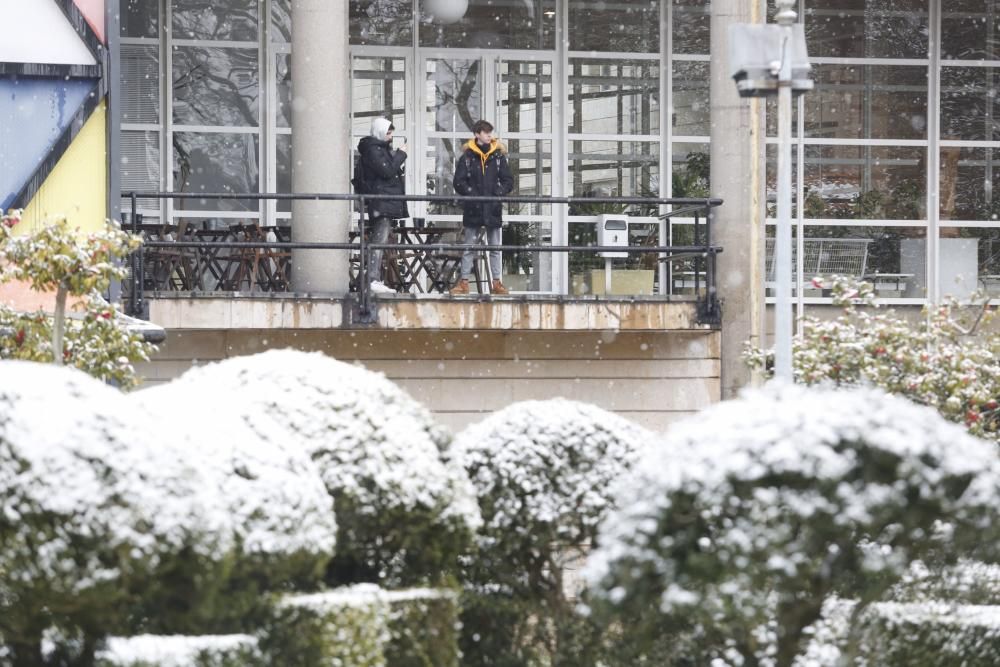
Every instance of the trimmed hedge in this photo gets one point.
(364, 626)
(181, 651)
(893, 634)
(968, 582)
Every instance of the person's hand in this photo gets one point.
(403, 147)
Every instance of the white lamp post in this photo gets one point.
(769, 59)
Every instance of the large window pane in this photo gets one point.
(691, 107)
(382, 22)
(215, 86)
(970, 30)
(969, 106)
(283, 169)
(613, 168)
(865, 183)
(440, 158)
(525, 96)
(216, 162)
(636, 274)
(531, 166)
(614, 26)
(140, 84)
(970, 184)
(867, 28)
(614, 96)
(970, 260)
(281, 21)
(692, 19)
(495, 25)
(453, 95)
(283, 88)
(232, 20)
(867, 102)
(139, 18)
(527, 271)
(379, 90)
(691, 171)
(893, 259)
(140, 166)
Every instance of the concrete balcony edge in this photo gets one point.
(174, 311)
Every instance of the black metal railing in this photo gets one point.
(702, 253)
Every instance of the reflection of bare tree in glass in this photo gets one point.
(210, 19)
(215, 86)
(382, 22)
(456, 89)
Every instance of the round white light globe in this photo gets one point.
(445, 11)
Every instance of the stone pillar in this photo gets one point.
(736, 174)
(321, 151)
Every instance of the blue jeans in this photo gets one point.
(493, 237)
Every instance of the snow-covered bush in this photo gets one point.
(542, 471)
(755, 511)
(87, 514)
(966, 582)
(404, 513)
(364, 626)
(181, 651)
(949, 359)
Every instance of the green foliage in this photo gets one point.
(949, 359)
(691, 180)
(363, 626)
(57, 259)
(927, 635)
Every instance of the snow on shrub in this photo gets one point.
(404, 512)
(542, 471)
(86, 510)
(758, 509)
(180, 651)
(967, 582)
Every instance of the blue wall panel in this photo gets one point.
(33, 113)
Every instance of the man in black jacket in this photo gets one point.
(383, 175)
(482, 170)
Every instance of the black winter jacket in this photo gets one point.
(482, 173)
(384, 174)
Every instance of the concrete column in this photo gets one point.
(321, 152)
(736, 175)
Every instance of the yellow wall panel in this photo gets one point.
(77, 187)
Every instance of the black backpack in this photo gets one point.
(359, 180)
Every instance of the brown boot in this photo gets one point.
(461, 287)
(498, 288)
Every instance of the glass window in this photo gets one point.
(140, 84)
(970, 184)
(139, 18)
(531, 166)
(867, 101)
(691, 170)
(215, 86)
(970, 30)
(691, 106)
(525, 96)
(692, 19)
(281, 21)
(970, 260)
(867, 28)
(624, 27)
(215, 162)
(382, 22)
(613, 168)
(527, 271)
(864, 182)
(283, 88)
(379, 90)
(969, 107)
(232, 20)
(283, 169)
(614, 96)
(140, 165)
(453, 95)
(440, 158)
(495, 25)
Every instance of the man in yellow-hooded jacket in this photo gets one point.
(482, 170)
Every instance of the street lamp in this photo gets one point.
(767, 60)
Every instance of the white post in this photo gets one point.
(783, 243)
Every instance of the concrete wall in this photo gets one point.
(652, 378)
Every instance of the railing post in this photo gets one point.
(364, 286)
(136, 305)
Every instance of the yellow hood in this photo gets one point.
(495, 147)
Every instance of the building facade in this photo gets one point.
(893, 158)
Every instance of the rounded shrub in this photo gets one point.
(758, 509)
(88, 514)
(542, 471)
(404, 512)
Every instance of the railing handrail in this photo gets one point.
(708, 308)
